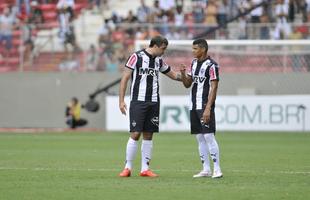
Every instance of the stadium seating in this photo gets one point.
(50, 17)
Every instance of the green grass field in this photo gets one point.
(84, 166)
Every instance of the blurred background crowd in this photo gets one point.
(49, 35)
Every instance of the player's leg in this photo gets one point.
(204, 156)
(81, 122)
(150, 126)
(215, 154)
(146, 155)
(196, 129)
(136, 117)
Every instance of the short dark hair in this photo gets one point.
(158, 41)
(202, 43)
(75, 100)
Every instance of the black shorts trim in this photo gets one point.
(144, 116)
(196, 125)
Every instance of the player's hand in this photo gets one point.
(206, 116)
(123, 107)
(183, 69)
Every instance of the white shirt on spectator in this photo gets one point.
(179, 19)
(62, 3)
(6, 24)
(282, 24)
(281, 9)
(257, 11)
(166, 4)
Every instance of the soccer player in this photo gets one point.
(143, 68)
(203, 78)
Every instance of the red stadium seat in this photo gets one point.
(48, 7)
(16, 42)
(50, 16)
(16, 34)
(13, 62)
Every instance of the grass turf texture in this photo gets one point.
(83, 166)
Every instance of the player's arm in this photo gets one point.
(122, 89)
(211, 99)
(186, 80)
(174, 75)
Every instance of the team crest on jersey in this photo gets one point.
(155, 121)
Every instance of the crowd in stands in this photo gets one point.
(277, 19)
(21, 20)
(274, 20)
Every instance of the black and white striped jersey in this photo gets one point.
(202, 72)
(144, 80)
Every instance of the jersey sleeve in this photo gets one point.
(132, 61)
(214, 72)
(164, 68)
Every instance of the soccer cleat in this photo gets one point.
(148, 173)
(203, 174)
(217, 174)
(125, 173)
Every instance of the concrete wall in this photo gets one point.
(252, 84)
(39, 99)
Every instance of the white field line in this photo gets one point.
(163, 170)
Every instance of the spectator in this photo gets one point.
(166, 5)
(292, 10)
(179, 18)
(36, 14)
(143, 12)
(264, 29)
(66, 29)
(27, 38)
(257, 12)
(198, 11)
(302, 6)
(155, 13)
(295, 56)
(65, 3)
(223, 10)
(19, 6)
(211, 13)
(131, 18)
(7, 24)
(112, 63)
(92, 58)
(282, 29)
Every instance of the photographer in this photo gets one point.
(73, 114)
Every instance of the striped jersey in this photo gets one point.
(144, 80)
(202, 72)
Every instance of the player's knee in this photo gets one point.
(135, 136)
(147, 136)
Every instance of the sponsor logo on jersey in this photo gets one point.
(148, 71)
(199, 79)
